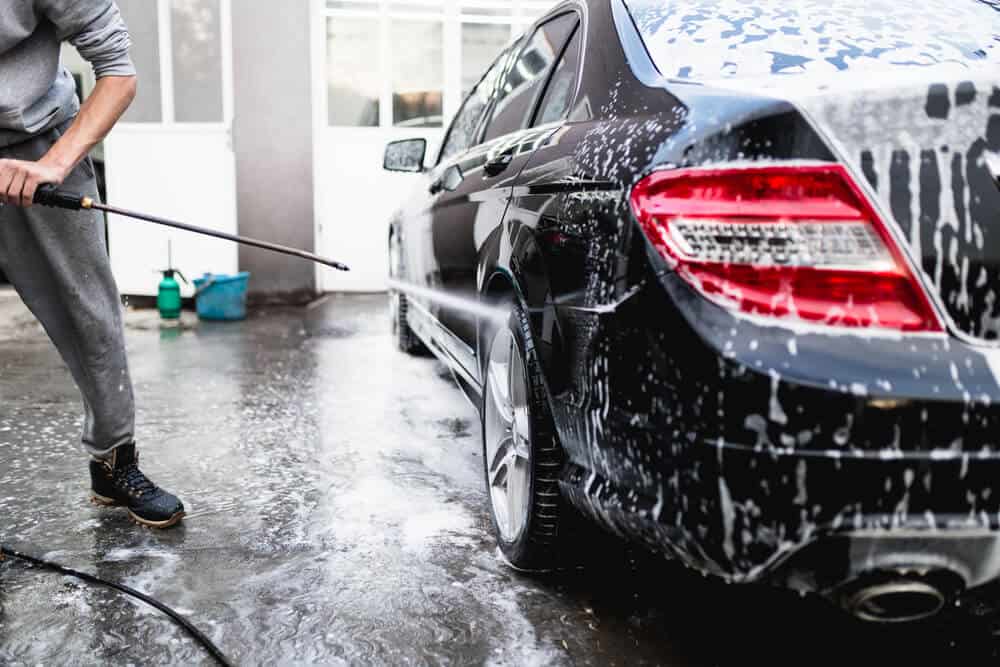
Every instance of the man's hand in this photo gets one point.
(101, 110)
(19, 179)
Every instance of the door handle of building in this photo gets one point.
(497, 164)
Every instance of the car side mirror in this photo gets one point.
(406, 155)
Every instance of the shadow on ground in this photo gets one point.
(653, 612)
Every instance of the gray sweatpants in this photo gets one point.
(58, 263)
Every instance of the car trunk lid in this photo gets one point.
(930, 151)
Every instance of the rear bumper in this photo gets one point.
(809, 522)
(760, 453)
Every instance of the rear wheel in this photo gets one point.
(522, 454)
(399, 307)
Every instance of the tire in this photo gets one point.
(522, 456)
(406, 339)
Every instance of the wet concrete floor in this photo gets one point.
(337, 516)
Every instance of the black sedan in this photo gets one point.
(746, 261)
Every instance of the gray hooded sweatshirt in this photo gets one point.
(36, 92)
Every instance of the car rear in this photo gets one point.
(822, 403)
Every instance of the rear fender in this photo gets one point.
(511, 268)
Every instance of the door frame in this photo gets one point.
(167, 124)
(165, 29)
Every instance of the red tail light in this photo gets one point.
(800, 242)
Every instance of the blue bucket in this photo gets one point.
(221, 297)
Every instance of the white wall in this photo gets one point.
(170, 183)
(172, 153)
(358, 197)
(273, 140)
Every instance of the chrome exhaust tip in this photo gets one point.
(896, 601)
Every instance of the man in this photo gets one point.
(58, 261)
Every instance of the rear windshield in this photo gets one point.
(706, 39)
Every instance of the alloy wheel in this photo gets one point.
(508, 436)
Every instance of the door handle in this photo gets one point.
(498, 163)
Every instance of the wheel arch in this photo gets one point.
(512, 269)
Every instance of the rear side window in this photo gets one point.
(525, 78)
(562, 87)
(462, 135)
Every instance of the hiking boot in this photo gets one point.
(118, 482)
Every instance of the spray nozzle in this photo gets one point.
(170, 273)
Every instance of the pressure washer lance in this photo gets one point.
(49, 195)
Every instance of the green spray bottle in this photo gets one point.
(168, 298)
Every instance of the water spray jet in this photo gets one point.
(494, 314)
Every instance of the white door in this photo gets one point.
(387, 70)
(172, 154)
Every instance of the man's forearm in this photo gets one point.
(99, 113)
(105, 105)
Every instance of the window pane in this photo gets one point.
(417, 7)
(143, 25)
(196, 37)
(352, 71)
(480, 45)
(559, 94)
(518, 91)
(463, 131)
(363, 5)
(417, 73)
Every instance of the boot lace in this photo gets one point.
(135, 481)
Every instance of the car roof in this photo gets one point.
(720, 39)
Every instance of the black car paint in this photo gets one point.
(461, 200)
(734, 445)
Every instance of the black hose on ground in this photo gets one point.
(186, 625)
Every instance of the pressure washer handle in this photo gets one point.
(50, 195)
